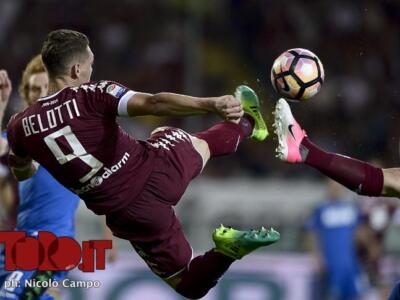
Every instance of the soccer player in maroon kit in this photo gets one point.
(73, 133)
(359, 176)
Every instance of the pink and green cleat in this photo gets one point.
(236, 243)
(289, 132)
(251, 105)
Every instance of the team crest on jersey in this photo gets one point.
(115, 90)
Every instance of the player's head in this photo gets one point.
(34, 82)
(66, 55)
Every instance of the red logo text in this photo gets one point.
(46, 252)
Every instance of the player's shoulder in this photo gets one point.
(102, 86)
(93, 86)
(15, 117)
(14, 126)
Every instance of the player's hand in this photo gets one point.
(5, 90)
(228, 107)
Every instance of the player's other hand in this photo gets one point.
(5, 90)
(229, 108)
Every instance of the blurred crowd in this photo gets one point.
(208, 48)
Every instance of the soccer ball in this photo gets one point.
(297, 74)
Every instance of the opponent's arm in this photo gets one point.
(169, 104)
(22, 167)
(5, 92)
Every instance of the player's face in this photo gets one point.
(38, 86)
(86, 67)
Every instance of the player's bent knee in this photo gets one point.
(202, 148)
(391, 182)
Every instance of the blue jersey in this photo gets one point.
(45, 205)
(334, 223)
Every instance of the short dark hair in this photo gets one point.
(60, 48)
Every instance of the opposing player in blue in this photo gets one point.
(45, 205)
(332, 229)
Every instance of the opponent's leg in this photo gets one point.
(204, 271)
(295, 147)
(224, 137)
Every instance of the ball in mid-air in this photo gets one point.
(297, 74)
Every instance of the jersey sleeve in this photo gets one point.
(111, 98)
(13, 140)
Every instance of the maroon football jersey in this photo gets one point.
(74, 135)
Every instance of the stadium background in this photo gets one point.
(207, 48)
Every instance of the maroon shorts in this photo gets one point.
(149, 222)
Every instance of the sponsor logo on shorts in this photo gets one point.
(115, 90)
(107, 172)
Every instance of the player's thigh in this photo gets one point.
(199, 145)
(165, 250)
(202, 148)
(179, 158)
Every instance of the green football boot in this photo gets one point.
(251, 106)
(236, 244)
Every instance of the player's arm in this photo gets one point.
(22, 167)
(169, 104)
(5, 92)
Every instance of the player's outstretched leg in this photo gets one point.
(224, 137)
(295, 147)
(204, 271)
